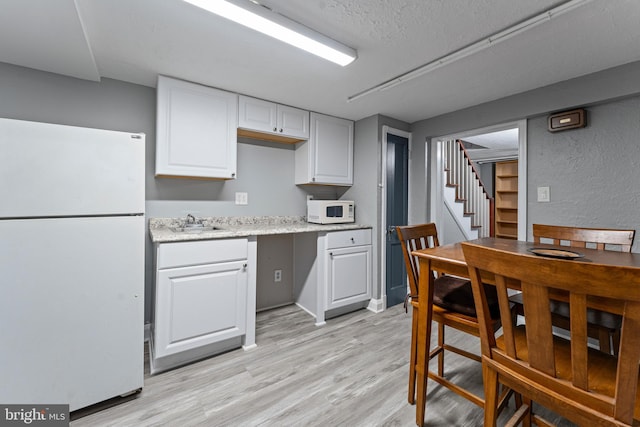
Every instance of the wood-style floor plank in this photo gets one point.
(351, 372)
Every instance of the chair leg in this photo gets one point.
(615, 338)
(441, 346)
(491, 396)
(413, 358)
(604, 338)
(528, 420)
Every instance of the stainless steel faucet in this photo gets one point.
(191, 219)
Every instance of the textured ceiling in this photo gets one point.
(135, 40)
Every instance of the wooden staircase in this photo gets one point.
(470, 192)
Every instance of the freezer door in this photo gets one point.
(72, 309)
(55, 170)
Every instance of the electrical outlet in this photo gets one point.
(277, 275)
(242, 198)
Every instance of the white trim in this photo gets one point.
(249, 338)
(383, 205)
(377, 305)
(322, 323)
(522, 180)
(437, 165)
(437, 180)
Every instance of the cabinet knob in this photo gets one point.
(353, 240)
(233, 175)
(244, 266)
(331, 254)
(280, 130)
(275, 129)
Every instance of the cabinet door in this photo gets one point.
(330, 150)
(293, 122)
(199, 305)
(256, 114)
(196, 130)
(271, 118)
(348, 276)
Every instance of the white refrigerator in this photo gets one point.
(72, 235)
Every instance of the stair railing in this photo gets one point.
(462, 174)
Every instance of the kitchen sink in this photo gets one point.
(194, 229)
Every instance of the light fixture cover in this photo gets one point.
(264, 20)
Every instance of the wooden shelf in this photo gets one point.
(506, 199)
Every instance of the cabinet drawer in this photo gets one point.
(343, 239)
(201, 252)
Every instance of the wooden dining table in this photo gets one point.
(449, 259)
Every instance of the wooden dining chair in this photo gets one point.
(582, 384)
(453, 307)
(604, 327)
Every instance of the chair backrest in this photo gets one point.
(574, 384)
(412, 238)
(598, 238)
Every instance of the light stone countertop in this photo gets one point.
(229, 227)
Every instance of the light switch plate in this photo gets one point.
(543, 194)
(242, 199)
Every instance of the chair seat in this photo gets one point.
(455, 294)
(594, 317)
(562, 357)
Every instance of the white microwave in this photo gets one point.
(330, 211)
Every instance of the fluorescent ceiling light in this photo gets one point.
(260, 18)
(473, 48)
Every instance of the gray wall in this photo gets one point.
(367, 173)
(365, 189)
(265, 170)
(611, 99)
(593, 173)
(609, 145)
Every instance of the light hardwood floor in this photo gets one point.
(351, 372)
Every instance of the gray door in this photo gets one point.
(397, 196)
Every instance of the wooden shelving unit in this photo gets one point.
(506, 199)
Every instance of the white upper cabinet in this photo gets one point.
(327, 158)
(271, 118)
(293, 122)
(196, 130)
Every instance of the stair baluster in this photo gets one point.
(462, 174)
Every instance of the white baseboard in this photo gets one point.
(376, 305)
(271, 307)
(306, 309)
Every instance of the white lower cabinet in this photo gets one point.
(200, 305)
(348, 276)
(201, 300)
(348, 267)
(333, 272)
